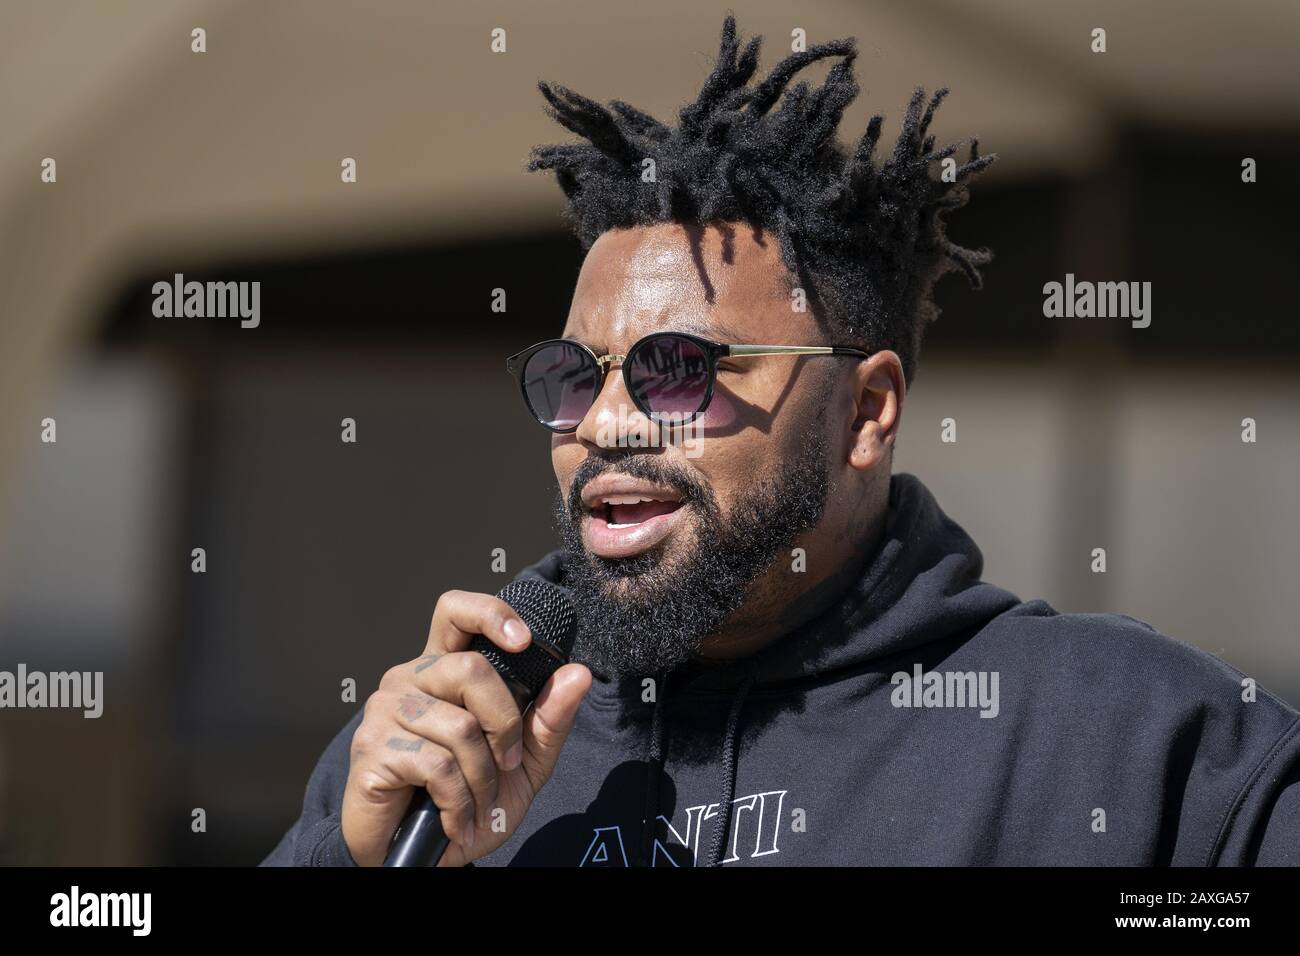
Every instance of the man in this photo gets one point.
(785, 654)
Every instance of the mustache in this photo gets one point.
(692, 489)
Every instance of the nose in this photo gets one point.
(614, 421)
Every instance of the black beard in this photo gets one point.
(649, 613)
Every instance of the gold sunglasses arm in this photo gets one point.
(605, 362)
(742, 350)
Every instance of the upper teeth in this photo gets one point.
(625, 499)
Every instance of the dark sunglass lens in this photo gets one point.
(669, 375)
(560, 385)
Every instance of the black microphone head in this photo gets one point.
(548, 612)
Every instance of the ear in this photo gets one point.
(879, 391)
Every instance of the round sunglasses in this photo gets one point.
(670, 375)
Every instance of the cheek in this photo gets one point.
(734, 464)
(722, 411)
(566, 456)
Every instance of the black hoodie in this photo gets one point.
(927, 719)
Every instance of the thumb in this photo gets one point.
(549, 720)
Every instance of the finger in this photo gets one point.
(549, 720)
(462, 614)
(467, 680)
(422, 763)
(373, 806)
(457, 730)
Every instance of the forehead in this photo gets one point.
(723, 282)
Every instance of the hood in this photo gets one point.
(922, 585)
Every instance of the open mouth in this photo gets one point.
(628, 511)
(624, 517)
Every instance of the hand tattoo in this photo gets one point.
(415, 706)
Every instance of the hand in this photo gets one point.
(447, 722)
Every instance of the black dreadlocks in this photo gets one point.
(865, 242)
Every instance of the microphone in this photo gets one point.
(548, 612)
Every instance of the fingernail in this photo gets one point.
(468, 840)
(514, 755)
(516, 630)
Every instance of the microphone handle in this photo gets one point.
(420, 840)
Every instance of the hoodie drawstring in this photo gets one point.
(728, 773)
(654, 768)
(655, 763)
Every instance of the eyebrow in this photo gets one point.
(708, 330)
